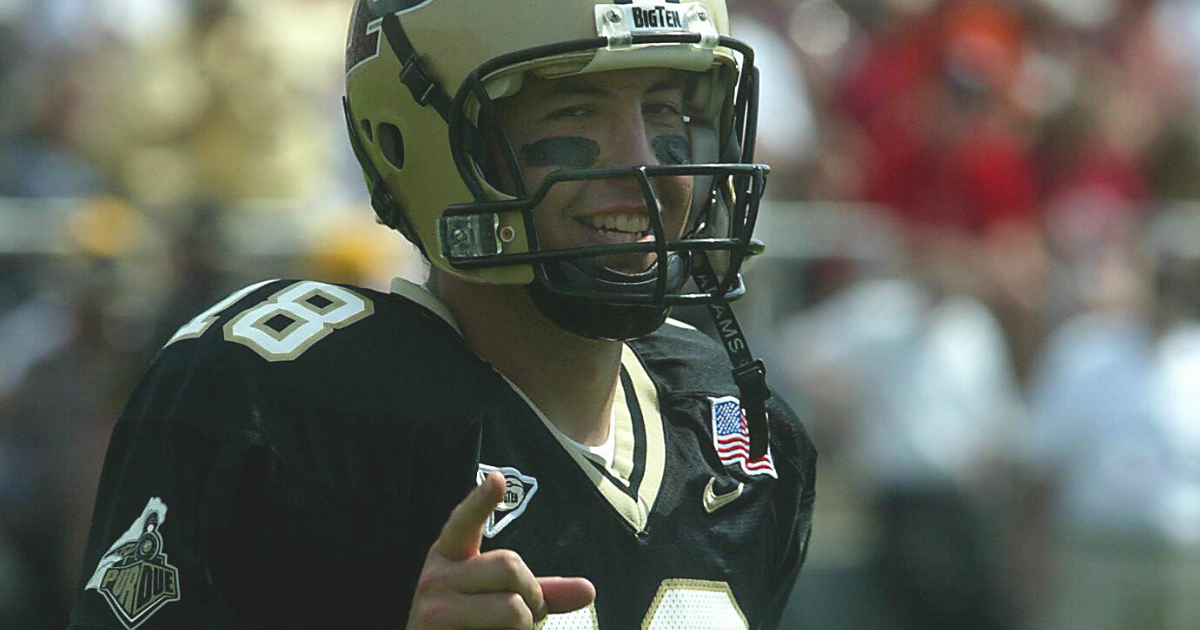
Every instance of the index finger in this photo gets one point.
(463, 531)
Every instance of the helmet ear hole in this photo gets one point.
(368, 132)
(391, 144)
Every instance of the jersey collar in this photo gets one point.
(421, 295)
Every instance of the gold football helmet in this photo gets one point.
(423, 79)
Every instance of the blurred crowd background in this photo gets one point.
(981, 288)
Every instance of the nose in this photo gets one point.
(629, 140)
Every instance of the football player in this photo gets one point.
(528, 440)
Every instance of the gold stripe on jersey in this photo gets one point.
(419, 294)
(656, 448)
(635, 511)
(624, 437)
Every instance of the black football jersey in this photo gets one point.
(292, 453)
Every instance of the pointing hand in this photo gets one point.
(463, 589)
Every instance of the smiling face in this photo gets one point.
(603, 120)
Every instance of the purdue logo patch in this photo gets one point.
(134, 576)
(518, 490)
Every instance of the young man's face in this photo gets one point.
(602, 120)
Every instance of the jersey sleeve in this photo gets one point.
(795, 496)
(167, 511)
(164, 511)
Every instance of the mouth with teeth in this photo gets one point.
(619, 228)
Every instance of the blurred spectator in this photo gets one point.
(939, 139)
(36, 104)
(914, 385)
(197, 277)
(1117, 446)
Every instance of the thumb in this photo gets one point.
(563, 594)
(463, 531)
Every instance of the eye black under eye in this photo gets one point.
(564, 151)
(672, 149)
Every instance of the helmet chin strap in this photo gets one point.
(749, 373)
(597, 319)
(611, 322)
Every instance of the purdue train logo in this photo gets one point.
(134, 576)
(518, 490)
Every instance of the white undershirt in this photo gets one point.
(603, 453)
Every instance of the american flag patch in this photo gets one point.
(731, 437)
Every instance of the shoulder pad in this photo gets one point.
(684, 359)
(293, 347)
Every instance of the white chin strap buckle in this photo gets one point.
(471, 235)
